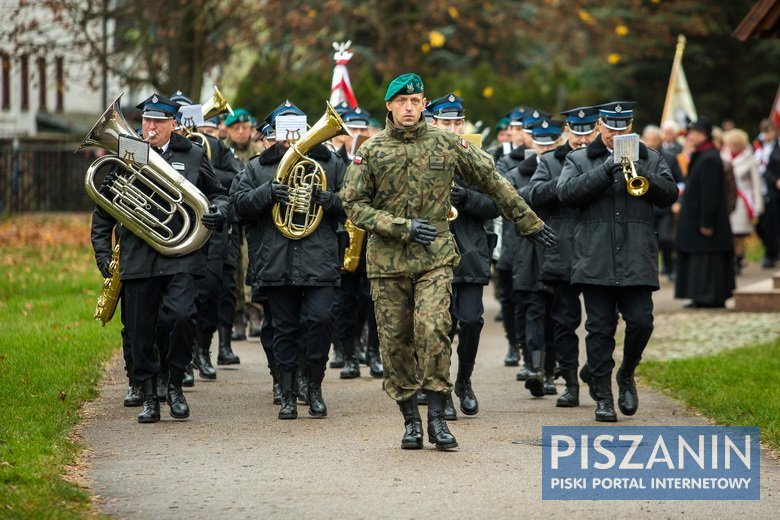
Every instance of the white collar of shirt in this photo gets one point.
(164, 148)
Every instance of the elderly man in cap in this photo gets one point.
(615, 260)
(298, 277)
(473, 271)
(398, 189)
(565, 308)
(160, 291)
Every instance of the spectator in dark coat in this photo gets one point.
(705, 270)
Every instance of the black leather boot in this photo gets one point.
(628, 399)
(289, 409)
(571, 396)
(337, 361)
(254, 320)
(302, 384)
(422, 398)
(226, 356)
(413, 432)
(512, 358)
(179, 409)
(588, 380)
(375, 367)
(151, 411)
(524, 372)
(351, 368)
(449, 408)
(549, 373)
(438, 432)
(203, 356)
(189, 376)
(468, 401)
(535, 381)
(605, 405)
(134, 395)
(360, 351)
(317, 406)
(239, 327)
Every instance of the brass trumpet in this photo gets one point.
(636, 185)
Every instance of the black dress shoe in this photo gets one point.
(179, 408)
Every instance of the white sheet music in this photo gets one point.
(132, 149)
(191, 115)
(627, 146)
(290, 127)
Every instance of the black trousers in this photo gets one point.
(227, 296)
(511, 318)
(161, 306)
(635, 304)
(768, 228)
(566, 315)
(535, 313)
(127, 352)
(300, 314)
(209, 288)
(466, 309)
(351, 306)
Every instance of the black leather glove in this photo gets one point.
(545, 236)
(458, 196)
(103, 267)
(612, 168)
(422, 232)
(213, 220)
(325, 199)
(279, 192)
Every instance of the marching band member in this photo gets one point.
(159, 292)
(615, 260)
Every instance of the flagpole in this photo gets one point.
(678, 54)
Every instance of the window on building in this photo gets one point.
(6, 82)
(24, 64)
(42, 84)
(60, 72)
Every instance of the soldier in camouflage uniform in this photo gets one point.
(398, 189)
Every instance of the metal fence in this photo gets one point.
(39, 175)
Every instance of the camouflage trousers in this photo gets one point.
(413, 322)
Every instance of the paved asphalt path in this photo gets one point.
(234, 459)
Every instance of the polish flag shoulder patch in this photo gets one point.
(357, 160)
(464, 143)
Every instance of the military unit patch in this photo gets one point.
(464, 143)
(357, 160)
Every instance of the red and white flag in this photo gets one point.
(340, 86)
(775, 115)
(678, 105)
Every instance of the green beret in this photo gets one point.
(409, 83)
(240, 115)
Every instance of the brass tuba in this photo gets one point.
(153, 201)
(214, 106)
(300, 215)
(112, 286)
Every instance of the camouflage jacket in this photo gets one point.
(407, 173)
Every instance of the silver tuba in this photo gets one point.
(153, 201)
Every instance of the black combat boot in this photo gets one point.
(289, 409)
(189, 376)
(254, 320)
(571, 397)
(524, 372)
(351, 368)
(438, 433)
(413, 432)
(134, 395)
(179, 408)
(375, 368)
(588, 380)
(468, 401)
(226, 356)
(317, 406)
(151, 411)
(549, 374)
(337, 361)
(302, 383)
(535, 381)
(360, 350)
(422, 397)
(449, 408)
(203, 355)
(628, 399)
(605, 405)
(239, 327)
(512, 358)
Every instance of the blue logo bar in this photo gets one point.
(650, 463)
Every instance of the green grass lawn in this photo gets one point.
(51, 356)
(736, 387)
